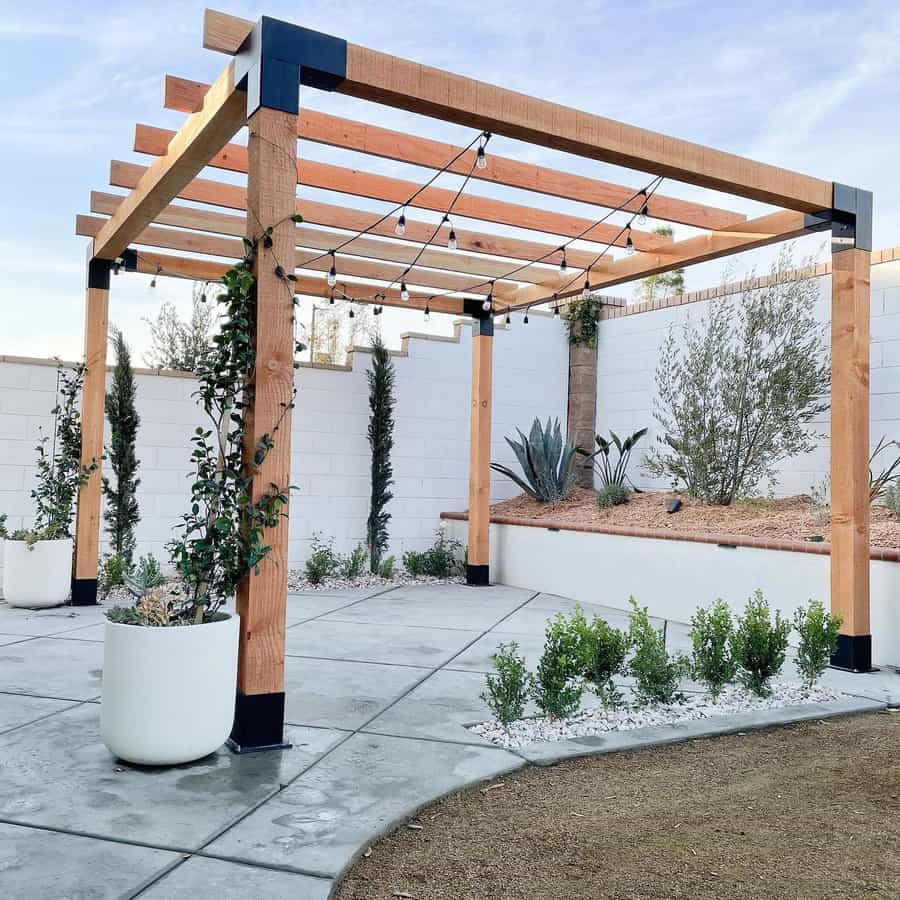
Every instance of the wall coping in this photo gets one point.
(823, 548)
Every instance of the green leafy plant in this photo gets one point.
(613, 475)
(386, 567)
(712, 636)
(112, 573)
(506, 691)
(612, 495)
(381, 441)
(557, 687)
(657, 673)
(889, 476)
(546, 462)
(4, 533)
(444, 559)
(322, 562)
(602, 650)
(145, 576)
(818, 630)
(891, 499)
(221, 539)
(354, 563)
(759, 644)
(121, 514)
(179, 344)
(582, 315)
(739, 390)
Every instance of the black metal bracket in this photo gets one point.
(483, 317)
(277, 57)
(851, 219)
(99, 270)
(478, 576)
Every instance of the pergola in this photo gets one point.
(482, 276)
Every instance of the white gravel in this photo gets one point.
(598, 720)
(297, 581)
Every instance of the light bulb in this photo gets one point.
(427, 314)
(563, 265)
(486, 306)
(332, 273)
(642, 217)
(629, 244)
(586, 290)
(525, 320)
(555, 312)
(331, 299)
(400, 227)
(351, 313)
(508, 323)
(451, 241)
(404, 293)
(480, 159)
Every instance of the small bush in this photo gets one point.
(145, 576)
(354, 564)
(112, 574)
(818, 630)
(602, 652)
(656, 673)
(556, 685)
(506, 691)
(891, 499)
(712, 632)
(612, 495)
(759, 645)
(323, 561)
(444, 560)
(386, 567)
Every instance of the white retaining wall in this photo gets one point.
(628, 349)
(330, 461)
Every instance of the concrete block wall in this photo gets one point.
(330, 452)
(628, 352)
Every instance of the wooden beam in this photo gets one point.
(192, 242)
(93, 401)
(184, 95)
(850, 453)
(478, 557)
(338, 179)
(761, 232)
(224, 33)
(230, 196)
(402, 84)
(202, 135)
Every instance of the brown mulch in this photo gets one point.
(792, 518)
(807, 812)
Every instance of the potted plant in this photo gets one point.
(37, 569)
(170, 661)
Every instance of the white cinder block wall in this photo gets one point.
(628, 350)
(330, 460)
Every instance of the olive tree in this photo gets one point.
(739, 389)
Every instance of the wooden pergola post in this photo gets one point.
(479, 549)
(851, 260)
(93, 401)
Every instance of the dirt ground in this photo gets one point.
(801, 812)
(793, 518)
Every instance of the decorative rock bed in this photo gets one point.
(298, 582)
(596, 721)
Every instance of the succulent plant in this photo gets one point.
(546, 461)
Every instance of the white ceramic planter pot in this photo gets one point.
(37, 576)
(168, 693)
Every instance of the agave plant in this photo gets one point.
(546, 462)
(615, 475)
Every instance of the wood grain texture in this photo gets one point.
(184, 95)
(93, 400)
(271, 193)
(224, 33)
(850, 439)
(480, 451)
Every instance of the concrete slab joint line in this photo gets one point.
(291, 823)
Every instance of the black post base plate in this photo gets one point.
(240, 750)
(84, 592)
(854, 653)
(258, 723)
(478, 576)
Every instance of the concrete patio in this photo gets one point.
(379, 684)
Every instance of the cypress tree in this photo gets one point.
(381, 442)
(121, 514)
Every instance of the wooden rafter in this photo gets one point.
(183, 95)
(339, 179)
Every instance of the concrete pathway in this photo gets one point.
(379, 684)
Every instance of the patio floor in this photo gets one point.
(379, 684)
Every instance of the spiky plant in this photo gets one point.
(546, 461)
(121, 514)
(381, 442)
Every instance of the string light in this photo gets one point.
(404, 291)
(352, 314)
(525, 320)
(332, 272)
(586, 290)
(451, 238)
(331, 299)
(563, 265)
(556, 306)
(480, 158)
(629, 243)
(508, 323)
(400, 227)
(645, 210)
(427, 313)
(117, 264)
(155, 276)
(489, 300)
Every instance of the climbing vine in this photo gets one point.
(581, 317)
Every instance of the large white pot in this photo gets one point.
(168, 693)
(39, 575)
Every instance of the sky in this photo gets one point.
(807, 86)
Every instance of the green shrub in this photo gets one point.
(602, 650)
(386, 567)
(444, 560)
(613, 476)
(891, 499)
(145, 576)
(656, 673)
(759, 644)
(322, 561)
(612, 495)
(557, 685)
(507, 691)
(712, 632)
(113, 571)
(354, 564)
(818, 630)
